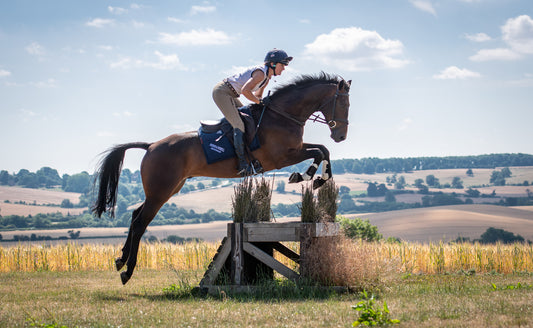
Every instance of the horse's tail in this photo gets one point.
(108, 175)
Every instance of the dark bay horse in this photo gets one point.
(169, 162)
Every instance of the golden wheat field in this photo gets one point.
(401, 257)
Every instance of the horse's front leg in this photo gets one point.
(320, 154)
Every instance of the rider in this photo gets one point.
(251, 83)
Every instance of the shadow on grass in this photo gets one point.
(267, 292)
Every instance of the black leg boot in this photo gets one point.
(244, 168)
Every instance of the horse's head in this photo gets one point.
(336, 114)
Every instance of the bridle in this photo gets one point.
(315, 117)
(333, 122)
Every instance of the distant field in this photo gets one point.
(431, 224)
(35, 200)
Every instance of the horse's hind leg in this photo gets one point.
(138, 227)
(121, 261)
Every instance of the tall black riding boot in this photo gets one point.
(244, 168)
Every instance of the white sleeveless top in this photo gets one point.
(237, 81)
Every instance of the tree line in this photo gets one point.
(47, 177)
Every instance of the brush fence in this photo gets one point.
(246, 254)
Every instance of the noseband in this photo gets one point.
(333, 122)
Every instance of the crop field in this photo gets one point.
(434, 285)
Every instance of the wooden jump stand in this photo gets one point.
(249, 248)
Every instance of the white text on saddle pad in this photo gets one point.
(216, 148)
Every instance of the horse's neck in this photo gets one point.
(311, 100)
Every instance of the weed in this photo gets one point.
(512, 287)
(371, 314)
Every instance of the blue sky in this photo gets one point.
(430, 77)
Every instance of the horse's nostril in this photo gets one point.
(342, 138)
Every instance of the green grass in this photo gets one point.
(165, 299)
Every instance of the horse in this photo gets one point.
(169, 162)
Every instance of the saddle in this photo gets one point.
(217, 137)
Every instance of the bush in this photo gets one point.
(359, 229)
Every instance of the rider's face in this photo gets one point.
(279, 68)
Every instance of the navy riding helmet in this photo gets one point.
(277, 56)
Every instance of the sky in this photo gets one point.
(429, 77)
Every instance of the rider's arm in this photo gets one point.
(247, 88)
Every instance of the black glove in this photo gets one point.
(265, 101)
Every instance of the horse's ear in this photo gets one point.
(345, 85)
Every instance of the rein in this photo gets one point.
(315, 117)
(333, 122)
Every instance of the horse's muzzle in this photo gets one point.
(338, 136)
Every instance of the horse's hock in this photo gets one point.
(246, 255)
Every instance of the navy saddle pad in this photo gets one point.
(217, 146)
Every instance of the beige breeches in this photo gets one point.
(228, 104)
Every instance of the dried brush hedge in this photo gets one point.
(251, 200)
(327, 201)
(340, 261)
(323, 208)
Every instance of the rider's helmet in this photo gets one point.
(277, 56)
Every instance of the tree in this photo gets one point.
(472, 192)
(344, 190)
(506, 172)
(374, 190)
(346, 204)
(48, 177)
(400, 184)
(497, 178)
(66, 203)
(419, 183)
(457, 183)
(470, 173)
(493, 235)
(73, 234)
(78, 183)
(389, 197)
(432, 181)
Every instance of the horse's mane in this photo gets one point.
(304, 81)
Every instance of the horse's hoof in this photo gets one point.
(119, 263)
(124, 276)
(295, 178)
(319, 182)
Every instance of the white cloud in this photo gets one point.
(454, 73)
(406, 122)
(495, 54)
(175, 20)
(50, 83)
(355, 49)
(117, 10)
(35, 49)
(518, 33)
(100, 22)
(478, 37)
(196, 38)
(4, 73)
(202, 9)
(164, 62)
(424, 5)
(304, 21)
